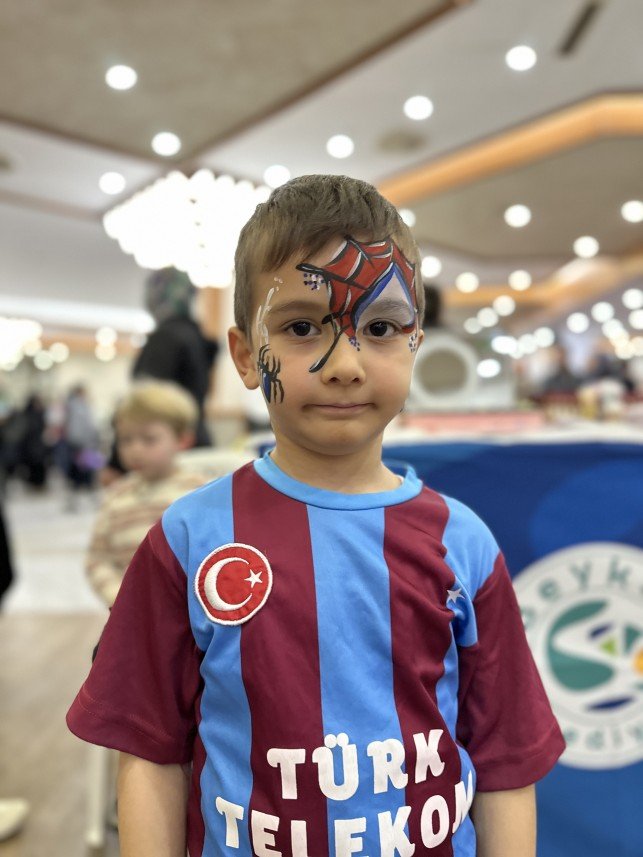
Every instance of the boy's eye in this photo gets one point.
(301, 328)
(381, 328)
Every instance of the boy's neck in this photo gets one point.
(361, 472)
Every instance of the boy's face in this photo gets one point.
(333, 345)
(148, 447)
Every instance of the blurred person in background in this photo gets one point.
(176, 350)
(561, 380)
(79, 450)
(32, 452)
(154, 422)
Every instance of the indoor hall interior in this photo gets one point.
(135, 142)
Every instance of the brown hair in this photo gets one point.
(303, 215)
(159, 401)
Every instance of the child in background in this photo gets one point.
(318, 656)
(154, 422)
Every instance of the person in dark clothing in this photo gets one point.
(32, 450)
(177, 350)
(6, 568)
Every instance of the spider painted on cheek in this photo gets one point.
(269, 368)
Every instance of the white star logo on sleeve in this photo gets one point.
(454, 594)
(254, 578)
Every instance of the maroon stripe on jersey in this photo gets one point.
(195, 823)
(420, 638)
(280, 659)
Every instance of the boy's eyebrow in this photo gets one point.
(296, 306)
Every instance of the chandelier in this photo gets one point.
(190, 223)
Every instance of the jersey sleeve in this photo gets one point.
(505, 720)
(141, 693)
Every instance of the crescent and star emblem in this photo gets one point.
(233, 583)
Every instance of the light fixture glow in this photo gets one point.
(488, 317)
(276, 175)
(489, 368)
(602, 311)
(632, 211)
(112, 183)
(521, 58)
(517, 216)
(613, 328)
(467, 282)
(472, 326)
(59, 352)
(105, 352)
(578, 322)
(106, 336)
(520, 280)
(504, 305)
(166, 144)
(635, 319)
(503, 344)
(544, 336)
(43, 361)
(120, 77)
(586, 246)
(528, 343)
(431, 267)
(340, 146)
(408, 217)
(632, 298)
(418, 107)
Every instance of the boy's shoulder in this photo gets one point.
(471, 548)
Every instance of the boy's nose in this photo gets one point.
(344, 365)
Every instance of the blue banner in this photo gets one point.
(569, 519)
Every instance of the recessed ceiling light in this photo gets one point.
(418, 107)
(520, 280)
(632, 298)
(602, 311)
(517, 216)
(613, 329)
(503, 344)
(635, 319)
(59, 352)
(340, 146)
(472, 326)
(528, 343)
(632, 211)
(43, 360)
(112, 183)
(578, 322)
(431, 266)
(504, 305)
(166, 143)
(544, 337)
(106, 336)
(521, 58)
(276, 175)
(586, 246)
(120, 77)
(408, 217)
(487, 317)
(467, 282)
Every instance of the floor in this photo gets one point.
(48, 626)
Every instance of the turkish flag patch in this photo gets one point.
(233, 583)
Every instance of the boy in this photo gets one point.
(335, 648)
(153, 422)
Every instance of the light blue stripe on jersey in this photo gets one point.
(225, 713)
(463, 531)
(353, 614)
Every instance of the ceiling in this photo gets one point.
(251, 84)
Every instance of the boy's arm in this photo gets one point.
(152, 803)
(505, 823)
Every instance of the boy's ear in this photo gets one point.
(243, 358)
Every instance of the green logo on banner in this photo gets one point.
(583, 613)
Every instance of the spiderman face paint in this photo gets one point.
(268, 366)
(361, 279)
